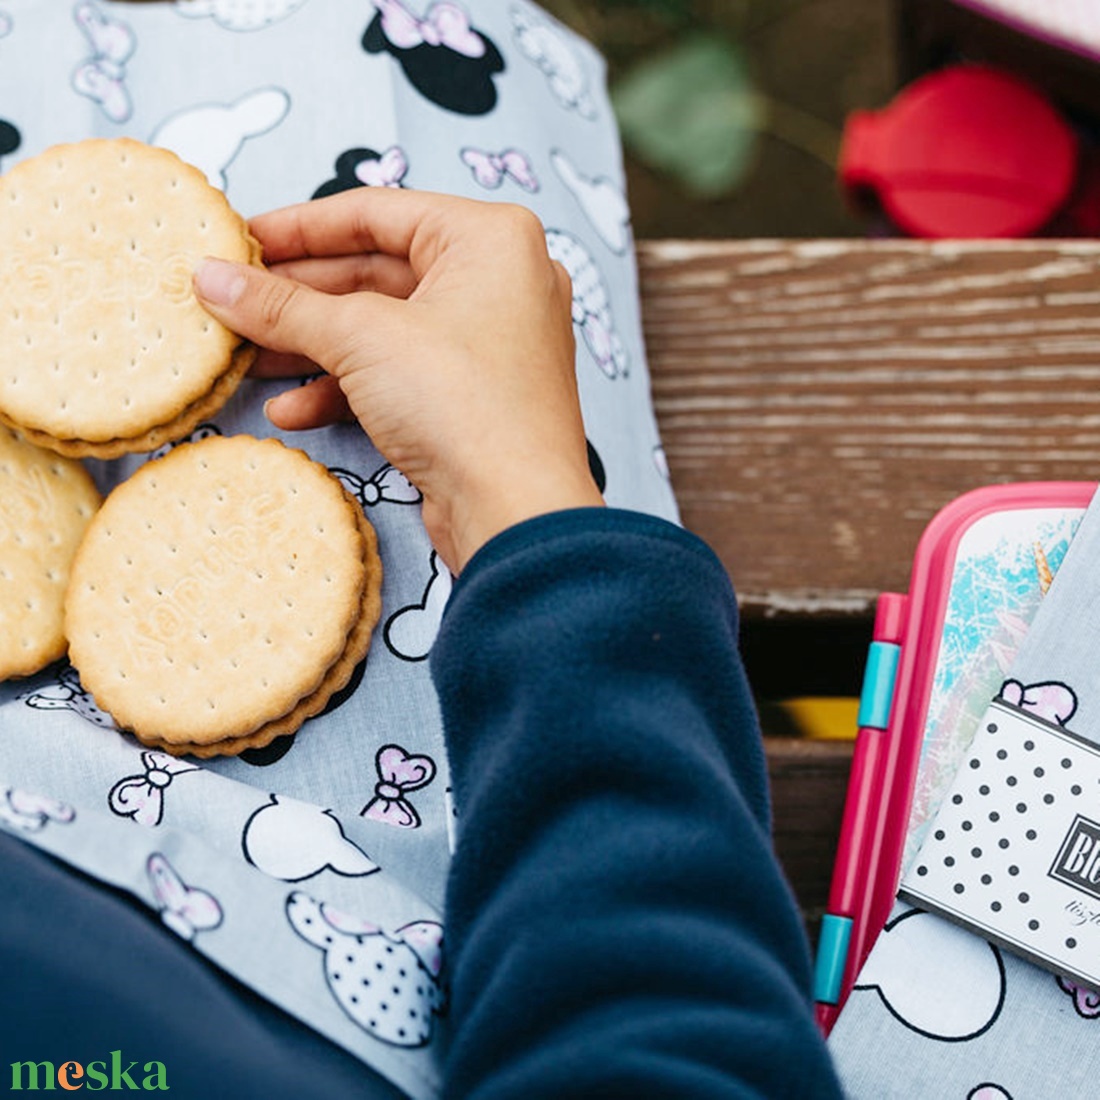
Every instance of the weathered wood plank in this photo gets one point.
(808, 784)
(820, 401)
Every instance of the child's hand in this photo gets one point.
(444, 327)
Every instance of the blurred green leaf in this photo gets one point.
(691, 111)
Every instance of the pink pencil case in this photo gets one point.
(939, 655)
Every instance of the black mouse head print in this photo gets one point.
(10, 138)
(596, 467)
(442, 55)
(364, 167)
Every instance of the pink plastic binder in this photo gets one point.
(979, 572)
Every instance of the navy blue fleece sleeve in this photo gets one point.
(617, 922)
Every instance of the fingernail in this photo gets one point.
(219, 282)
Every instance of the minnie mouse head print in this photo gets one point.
(441, 54)
(362, 167)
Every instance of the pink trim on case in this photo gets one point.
(925, 611)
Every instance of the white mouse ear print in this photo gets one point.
(102, 77)
(31, 813)
(545, 44)
(410, 632)
(5, 24)
(239, 15)
(988, 1091)
(591, 303)
(210, 135)
(187, 910)
(425, 937)
(936, 978)
(602, 201)
(293, 840)
(306, 918)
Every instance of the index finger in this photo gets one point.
(365, 219)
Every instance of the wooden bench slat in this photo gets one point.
(808, 784)
(819, 401)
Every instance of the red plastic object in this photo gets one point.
(968, 151)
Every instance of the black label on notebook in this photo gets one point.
(1078, 860)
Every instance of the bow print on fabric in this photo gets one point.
(491, 169)
(398, 774)
(187, 910)
(444, 24)
(102, 77)
(30, 813)
(388, 170)
(142, 796)
(364, 167)
(387, 483)
(1086, 1002)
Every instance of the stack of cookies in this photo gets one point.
(224, 592)
(222, 595)
(108, 350)
(46, 504)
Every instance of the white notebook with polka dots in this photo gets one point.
(1014, 850)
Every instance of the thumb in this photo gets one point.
(275, 312)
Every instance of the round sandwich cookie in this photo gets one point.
(46, 504)
(222, 594)
(109, 350)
